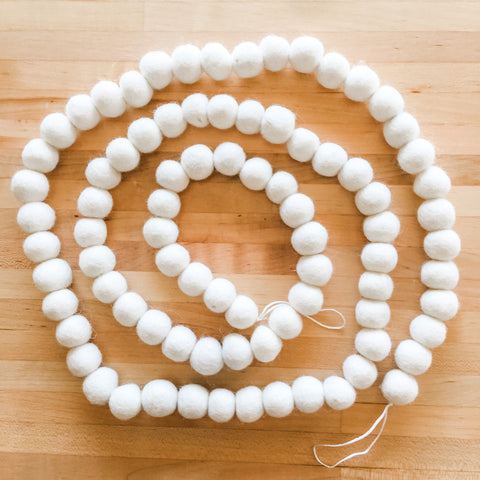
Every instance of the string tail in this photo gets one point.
(382, 419)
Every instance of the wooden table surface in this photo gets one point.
(50, 50)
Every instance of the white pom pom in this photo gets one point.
(206, 357)
(357, 173)
(160, 232)
(192, 401)
(172, 260)
(308, 394)
(187, 63)
(428, 331)
(171, 175)
(329, 159)
(35, 217)
(399, 387)
(57, 130)
(247, 60)
(416, 155)
(197, 161)
(296, 210)
(375, 286)
(122, 155)
(249, 404)
(302, 145)
(249, 117)
(440, 275)
(222, 111)
(339, 394)
(135, 89)
(437, 214)
(332, 70)
(385, 103)
(101, 174)
(379, 257)
(216, 61)
(265, 343)
(128, 308)
(277, 399)
(361, 83)
(51, 275)
(81, 112)
(108, 99)
(229, 158)
(60, 304)
(108, 287)
(179, 343)
(305, 54)
(413, 358)
(97, 260)
(153, 327)
(99, 385)
(170, 121)
(305, 299)
(194, 109)
(432, 183)
(73, 331)
(164, 203)
(243, 312)
(374, 344)
(41, 246)
(372, 314)
(156, 67)
(400, 130)
(315, 269)
(144, 135)
(40, 156)
(90, 231)
(309, 239)
(236, 351)
(440, 304)
(275, 52)
(442, 245)
(195, 279)
(219, 295)
(159, 398)
(256, 173)
(281, 186)
(84, 359)
(95, 202)
(278, 124)
(221, 405)
(360, 372)
(383, 227)
(285, 322)
(125, 401)
(373, 199)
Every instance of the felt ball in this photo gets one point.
(339, 394)
(296, 210)
(57, 130)
(197, 162)
(305, 53)
(265, 343)
(329, 159)
(249, 404)
(60, 304)
(275, 52)
(125, 401)
(302, 145)
(153, 327)
(249, 117)
(379, 257)
(156, 67)
(332, 70)
(229, 158)
(172, 260)
(308, 394)
(242, 313)
(412, 357)
(99, 385)
(206, 357)
(256, 173)
(285, 322)
(101, 174)
(192, 402)
(219, 295)
(53, 274)
(278, 124)
(428, 331)
(247, 60)
(41, 246)
(372, 313)
(281, 186)
(373, 199)
(277, 399)
(305, 299)
(81, 112)
(221, 405)
(440, 304)
(73, 331)
(97, 260)
(355, 174)
(382, 227)
(375, 286)
(361, 83)
(95, 202)
(35, 217)
(442, 245)
(109, 286)
(135, 89)
(216, 61)
(90, 231)
(171, 175)
(187, 63)
(359, 371)
(416, 154)
(440, 275)
(144, 135)
(159, 398)
(195, 279)
(374, 344)
(315, 269)
(170, 121)
(431, 183)
(128, 308)
(222, 111)
(194, 109)
(399, 387)
(40, 156)
(30, 186)
(400, 130)
(309, 239)
(122, 154)
(437, 214)
(84, 359)
(108, 99)
(164, 203)
(179, 343)
(160, 232)
(236, 351)
(385, 103)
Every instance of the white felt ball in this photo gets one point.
(360, 372)
(285, 322)
(305, 54)
(156, 67)
(432, 183)
(221, 405)
(41, 246)
(249, 117)
(275, 52)
(216, 61)
(278, 124)
(385, 103)
(159, 398)
(125, 401)
(170, 121)
(95, 202)
(399, 387)
(417, 155)
(84, 359)
(222, 111)
(128, 308)
(332, 70)
(372, 313)
(51, 275)
(57, 130)
(339, 394)
(309, 239)
(428, 331)
(373, 199)
(375, 286)
(302, 145)
(256, 173)
(374, 344)
(35, 217)
(40, 156)
(219, 295)
(440, 275)
(164, 203)
(305, 299)
(97, 260)
(160, 232)
(308, 394)
(315, 269)
(60, 304)
(229, 158)
(442, 245)
(172, 259)
(361, 83)
(108, 287)
(122, 154)
(90, 231)
(153, 327)
(73, 331)
(329, 159)
(379, 257)
(195, 279)
(243, 312)
(437, 214)
(194, 109)
(192, 402)
(99, 385)
(179, 343)
(281, 186)
(108, 99)
(277, 399)
(247, 60)
(206, 357)
(412, 357)
(187, 63)
(249, 404)
(236, 351)
(440, 304)
(383, 227)
(197, 162)
(101, 174)
(355, 174)
(401, 129)
(144, 135)
(135, 89)
(265, 343)
(296, 210)
(30, 186)
(171, 175)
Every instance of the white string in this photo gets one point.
(382, 418)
